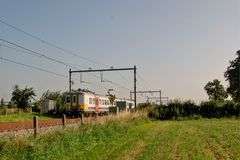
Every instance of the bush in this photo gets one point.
(209, 109)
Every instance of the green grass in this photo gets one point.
(133, 138)
(20, 117)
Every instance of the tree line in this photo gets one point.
(216, 107)
(23, 98)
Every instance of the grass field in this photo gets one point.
(134, 138)
(20, 117)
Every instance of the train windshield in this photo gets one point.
(68, 99)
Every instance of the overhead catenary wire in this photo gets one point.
(51, 44)
(33, 67)
(141, 78)
(90, 83)
(62, 49)
(55, 46)
(95, 85)
(141, 84)
(34, 53)
(37, 54)
(47, 71)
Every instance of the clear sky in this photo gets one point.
(177, 46)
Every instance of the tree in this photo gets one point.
(11, 104)
(111, 98)
(215, 90)
(51, 95)
(2, 103)
(22, 97)
(233, 77)
(56, 96)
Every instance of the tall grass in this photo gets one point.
(76, 143)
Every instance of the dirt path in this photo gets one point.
(14, 126)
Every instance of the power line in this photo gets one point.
(34, 53)
(47, 71)
(140, 77)
(93, 84)
(51, 44)
(33, 67)
(118, 85)
(90, 83)
(105, 70)
(54, 45)
(142, 85)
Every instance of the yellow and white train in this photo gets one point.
(90, 103)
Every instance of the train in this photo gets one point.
(88, 103)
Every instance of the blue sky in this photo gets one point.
(177, 46)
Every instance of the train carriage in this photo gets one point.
(89, 103)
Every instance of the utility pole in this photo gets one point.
(135, 87)
(70, 83)
(107, 70)
(70, 87)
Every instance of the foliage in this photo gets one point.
(210, 109)
(111, 98)
(2, 103)
(11, 104)
(22, 97)
(215, 90)
(51, 95)
(56, 96)
(145, 105)
(232, 76)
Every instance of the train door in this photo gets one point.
(68, 102)
(80, 100)
(97, 104)
(74, 100)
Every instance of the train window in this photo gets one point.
(74, 99)
(90, 100)
(93, 102)
(68, 99)
(105, 102)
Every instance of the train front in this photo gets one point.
(73, 107)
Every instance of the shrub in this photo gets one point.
(209, 109)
